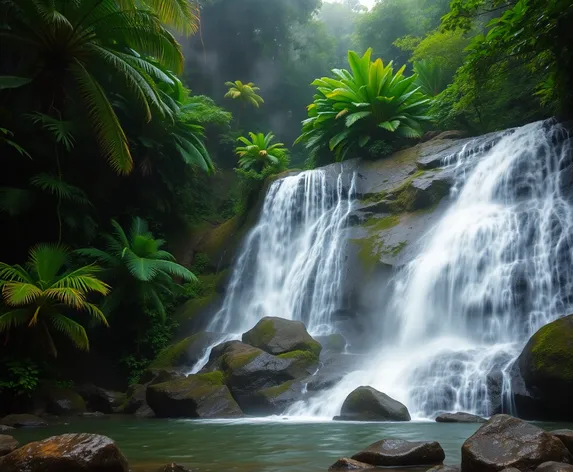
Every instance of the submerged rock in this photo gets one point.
(554, 467)
(505, 441)
(400, 453)
(546, 365)
(459, 418)
(368, 404)
(566, 437)
(173, 468)
(7, 444)
(197, 396)
(350, 464)
(67, 453)
(279, 336)
(23, 421)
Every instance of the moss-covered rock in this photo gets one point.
(197, 396)
(184, 353)
(275, 400)
(368, 404)
(546, 365)
(63, 401)
(279, 336)
(304, 363)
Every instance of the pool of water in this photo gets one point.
(265, 445)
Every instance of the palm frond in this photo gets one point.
(20, 293)
(71, 329)
(14, 319)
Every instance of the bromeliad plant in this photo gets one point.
(369, 103)
(45, 291)
(258, 152)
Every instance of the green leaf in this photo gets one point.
(11, 82)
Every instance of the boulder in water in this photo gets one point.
(101, 399)
(401, 453)
(459, 418)
(566, 437)
(279, 336)
(64, 401)
(7, 444)
(275, 400)
(6, 429)
(154, 376)
(23, 421)
(67, 453)
(334, 343)
(173, 468)
(349, 464)
(554, 467)
(368, 404)
(445, 468)
(505, 441)
(197, 396)
(546, 365)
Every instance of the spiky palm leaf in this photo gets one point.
(432, 78)
(367, 103)
(45, 291)
(93, 39)
(259, 152)
(136, 264)
(245, 93)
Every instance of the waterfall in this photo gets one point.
(290, 265)
(495, 268)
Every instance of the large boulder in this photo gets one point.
(368, 404)
(67, 453)
(153, 376)
(186, 352)
(400, 453)
(64, 401)
(349, 464)
(101, 399)
(7, 444)
(275, 400)
(505, 441)
(546, 365)
(23, 421)
(566, 437)
(554, 467)
(197, 396)
(279, 336)
(459, 418)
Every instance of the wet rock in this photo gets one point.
(186, 352)
(101, 399)
(566, 437)
(173, 468)
(93, 414)
(23, 421)
(332, 370)
(135, 398)
(459, 418)
(368, 404)
(400, 453)
(280, 336)
(197, 396)
(5, 429)
(554, 467)
(7, 444)
(276, 400)
(525, 446)
(155, 376)
(64, 401)
(144, 411)
(350, 464)
(511, 469)
(67, 453)
(546, 365)
(333, 343)
(445, 468)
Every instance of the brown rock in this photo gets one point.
(67, 453)
(7, 444)
(505, 442)
(349, 464)
(566, 437)
(397, 452)
(554, 467)
(445, 468)
(173, 468)
(23, 421)
(459, 418)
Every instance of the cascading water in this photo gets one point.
(497, 267)
(290, 265)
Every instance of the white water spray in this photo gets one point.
(497, 267)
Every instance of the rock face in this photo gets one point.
(400, 453)
(554, 467)
(64, 401)
(546, 365)
(279, 336)
(459, 418)
(23, 421)
(197, 396)
(368, 404)
(184, 353)
(350, 464)
(7, 444)
(67, 453)
(566, 437)
(505, 442)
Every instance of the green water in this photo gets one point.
(252, 445)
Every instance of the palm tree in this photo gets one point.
(67, 53)
(140, 270)
(245, 93)
(258, 152)
(43, 292)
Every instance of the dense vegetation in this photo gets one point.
(161, 116)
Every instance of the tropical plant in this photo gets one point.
(95, 42)
(370, 103)
(258, 152)
(42, 294)
(137, 266)
(244, 93)
(431, 79)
